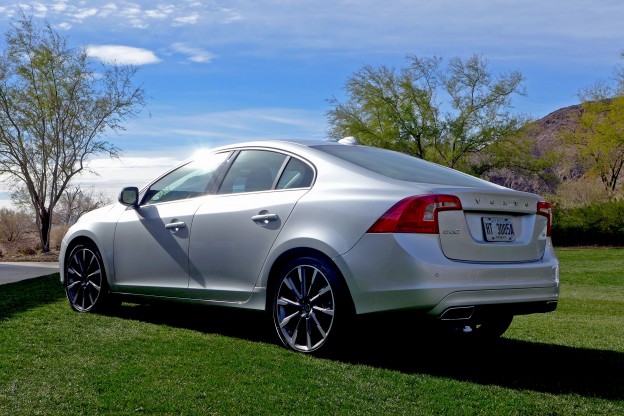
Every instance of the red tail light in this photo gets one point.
(545, 209)
(415, 214)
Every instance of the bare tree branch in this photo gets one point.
(55, 107)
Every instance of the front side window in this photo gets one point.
(188, 181)
(252, 171)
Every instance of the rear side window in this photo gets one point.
(400, 166)
(296, 175)
(252, 171)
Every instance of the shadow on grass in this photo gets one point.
(521, 365)
(402, 347)
(20, 296)
(395, 342)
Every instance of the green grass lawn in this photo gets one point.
(182, 360)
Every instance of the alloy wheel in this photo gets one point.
(304, 308)
(84, 279)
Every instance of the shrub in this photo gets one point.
(58, 232)
(27, 251)
(595, 224)
(13, 225)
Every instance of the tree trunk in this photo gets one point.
(45, 223)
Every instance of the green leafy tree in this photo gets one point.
(599, 134)
(56, 104)
(599, 139)
(442, 114)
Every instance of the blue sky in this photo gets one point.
(223, 71)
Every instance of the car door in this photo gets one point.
(234, 230)
(151, 241)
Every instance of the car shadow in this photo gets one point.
(509, 363)
(403, 345)
(21, 296)
(231, 322)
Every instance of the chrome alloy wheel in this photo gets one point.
(304, 308)
(84, 278)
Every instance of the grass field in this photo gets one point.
(181, 360)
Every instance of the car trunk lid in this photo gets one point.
(493, 226)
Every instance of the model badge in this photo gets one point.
(457, 231)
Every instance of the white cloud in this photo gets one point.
(111, 175)
(82, 14)
(108, 9)
(231, 15)
(134, 15)
(161, 12)
(194, 54)
(180, 133)
(64, 26)
(59, 6)
(123, 55)
(35, 8)
(186, 20)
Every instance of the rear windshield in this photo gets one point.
(400, 166)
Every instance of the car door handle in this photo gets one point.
(265, 218)
(175, 225)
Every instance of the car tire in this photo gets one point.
(309, 305)
(86, 286)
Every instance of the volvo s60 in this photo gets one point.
(316, 233)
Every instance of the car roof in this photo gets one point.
(276, 143)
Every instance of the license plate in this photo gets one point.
(498, 229)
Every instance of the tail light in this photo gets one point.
(415, 214)
(545, 209)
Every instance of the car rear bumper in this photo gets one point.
(409, 271)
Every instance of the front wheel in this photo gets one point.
(85, 279)
(309, 303)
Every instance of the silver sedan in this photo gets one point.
(316, 233)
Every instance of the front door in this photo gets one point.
(152, 241)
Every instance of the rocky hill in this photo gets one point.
(545, 140)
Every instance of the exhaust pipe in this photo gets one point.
(460, 313)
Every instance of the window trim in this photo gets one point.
(207, 191)
(236, 152)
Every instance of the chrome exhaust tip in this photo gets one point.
(460, 313)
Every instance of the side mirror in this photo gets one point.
(129, 196)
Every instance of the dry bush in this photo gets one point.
(582, 192)
(14, 225)
(57, 234)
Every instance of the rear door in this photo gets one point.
(234, 230)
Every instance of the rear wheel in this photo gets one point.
(309, 305)
(85, 279)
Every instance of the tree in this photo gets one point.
(55, 106)
(403, 109)
(599, 138)
(519, 162)
(76, 201)
(599, 134)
